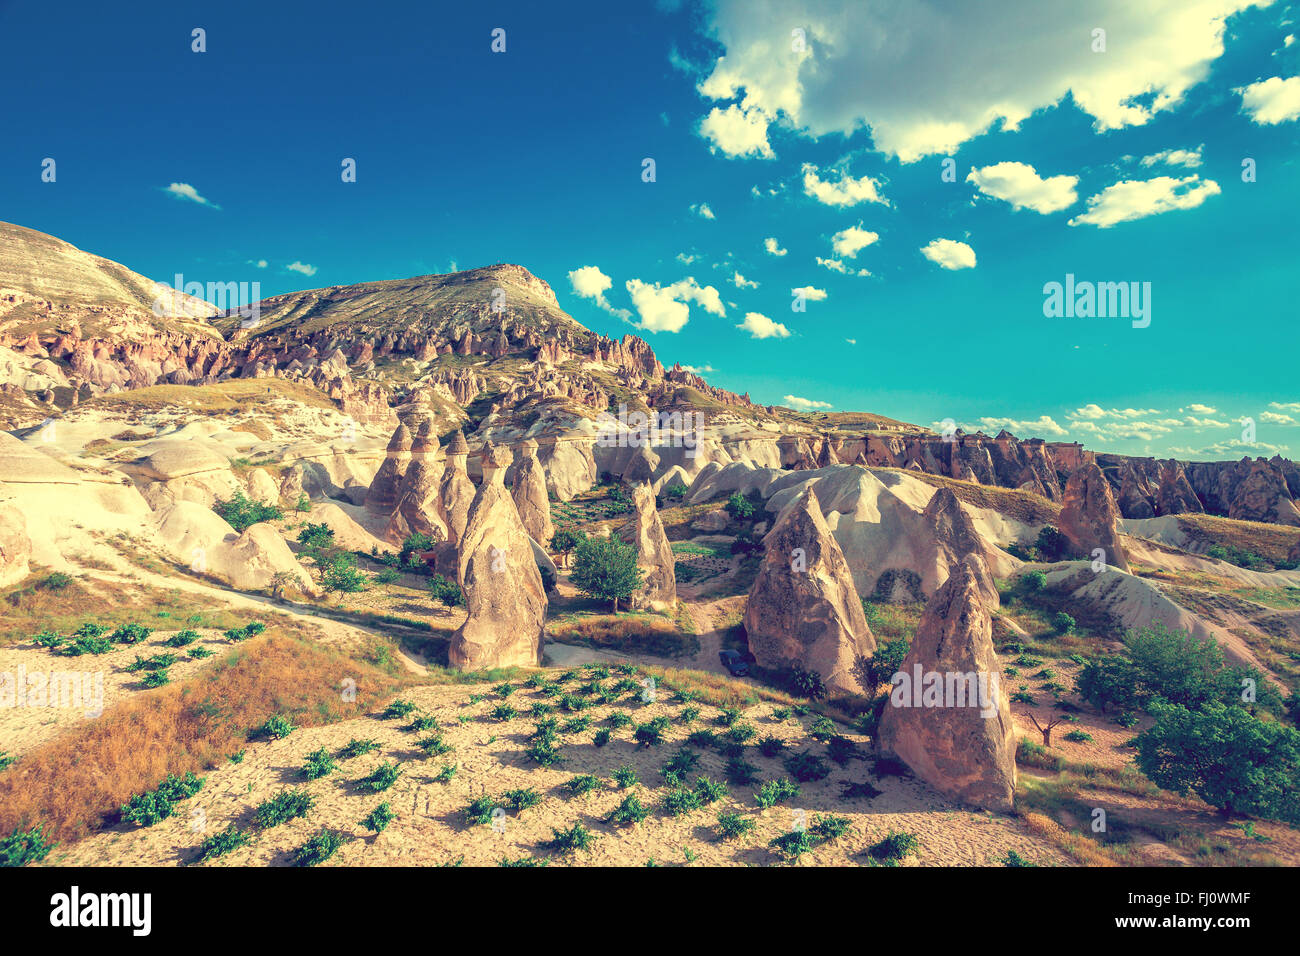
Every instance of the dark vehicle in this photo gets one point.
(734, 662)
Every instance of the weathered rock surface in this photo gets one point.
(803, 608)
(529, 493)
(1089, 517)
(418, 510)
(948, 717)
(15, 545)
(955, 537)
(455, 490)
(645, 532)
(503, 588)
(382, 498)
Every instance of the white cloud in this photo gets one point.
(1136, 199)
(847, 191)
(686, 259)
(1272, 101)
(1196, 408)
(811, 293)
(1233, 449)
(736, 132)
(847, 243)
(904, 70)
(665, 308)
(702, 210)
(1095, 412)
(740, 282)
(698, 369)
(1020, 185)
(950, 254)
(304, 268)
(1042, 425)
(189, 193)
(1285, 406)
(590, 283)
(804, 404)
(836, 265)
(1195, 422)
(1191, 158)
(760, 326)
(851, 341)
(258, 263)
(1276, 418)
(773, 247)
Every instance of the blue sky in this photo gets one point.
(1121, 164)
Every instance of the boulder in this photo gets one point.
(497, 571)
(529, 493)
(654, 555)
(1089, 517)
(948, 717)
(803, 608)
(711, 522)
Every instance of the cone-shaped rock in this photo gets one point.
(1089, 516)
(948, 717)
(654, 555)
(497, 571)
(455, 490)
(955, 534)
(827, 457)
(803, 608)
(382, 497)
(529, 493)
(417, 510)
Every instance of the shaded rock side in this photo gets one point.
(803, 608)
(948, 717)
(645, 532)
(1090, 518)
(503, 588)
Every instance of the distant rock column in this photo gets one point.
(1090, 518)
(803, 608)
(948, 716)
(529, 493)
(417, 498)
(498, 573)
(645, 532)
(382, 497)
(455, 491)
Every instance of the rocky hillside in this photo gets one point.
(491, 352)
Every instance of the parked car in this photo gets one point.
(734, 662)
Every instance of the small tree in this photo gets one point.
(565, 540)
(1052, 544)
(1045, 731)
(739, 507)
(881, 667)
(606, 568)
(1233, 761)
(341, 574)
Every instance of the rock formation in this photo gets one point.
(803, 608)
(383, 495)
(417, 509)
(645, 532)
(455, 490)
(948, 717)
(955, 535)
(1089, 518)
(529, 493)
(497, 571)
(15, 545)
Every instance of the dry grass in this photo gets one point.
(1024, 506)
(77, 781)
(34, 606)
(630, 633)
(1077, 846)
(1270, 541)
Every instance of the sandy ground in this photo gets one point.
(489, 755)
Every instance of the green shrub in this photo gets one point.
(240, 512)
(624, 776)
(379, 818)
(1012, 858)
(577, 837)
(651, 734)
(774, 791)
(182, 638)
(543, 753)
(731, 825)
(276, 727)
(582, 784)
(316, 537)
(739, 507)
(381, 778)
(446, 591)
(1034, 581)
(341, 574)
(433, 745)
(284, 806)
(741, 772)
(398, 708)
(606, 568)
(793, 844)
(895, 847)
(24, 846)
(48, 639)
(355, 748)
(805, 767)
(829, 827)
(1078, 737)
(805, 683)
(88, 645)
(227, 841)
(1062, 623)
(320, 763)
(710, 791)
(155, 679)
(1052, 545)
(680, 801)
(318, 849)
(631, 810)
